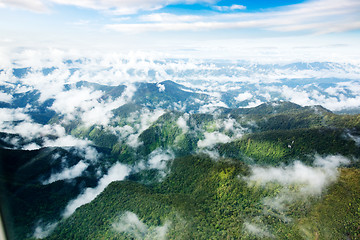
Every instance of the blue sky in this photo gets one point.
(164, 25)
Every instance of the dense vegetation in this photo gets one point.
(203, 199)
(193, 196)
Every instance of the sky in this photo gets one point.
(205, 28)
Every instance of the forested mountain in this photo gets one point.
(161, 161)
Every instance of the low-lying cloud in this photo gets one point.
(68, 173)
(159, 158)
(130, 223)
(213, 138)
(117, 172)
(313, 180)
(309, 181)
(139, 121)
(42, 230)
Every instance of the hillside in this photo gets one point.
(186, 175)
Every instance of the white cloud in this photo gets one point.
(297, 182)
(161, 87)
(257, 230)
(243, 96)
(178, 26)
(130, 223)
(230, 8)
(142, 120)
(211, 106)
(159, 158)
(87, 104)
(4, 97)
(34, 5)
(181, 122)
(230, 125)
(213, 154)
(68, 102)
(253, 104)
(68, 173)
(213, 138)
(66, 141)
(31, 146)
(322, 16)
(312, 180)
(110, 6)
(8, 115)
(43, 230)
(27, 128)
(356, 139)
(90, 154)
(117, 172)
(167, 17)
(305, 97)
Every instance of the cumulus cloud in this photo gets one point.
(213, 138)
(159, 158)
(305, 97)
(313, 180)
(87, 104)
(8, 116)
(117, 172)
(68, 173)
(231, 126)
(16, 121)
(141, 120)
(243, 96)
(4, 97)
(181, 122)
(211, 106)
(129, 223)
(66, 141)
(161, 87)
(115, 69)
(307, 180)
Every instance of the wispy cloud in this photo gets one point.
(322, 16)
(110, 6)
(314, 16)
(116, 173)
(230, 8)
(34, 5)
(167, 17)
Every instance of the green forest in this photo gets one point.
(195, 195)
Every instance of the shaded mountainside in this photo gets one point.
(27, 198)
